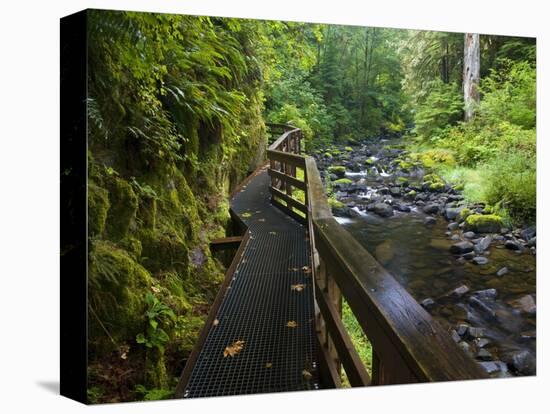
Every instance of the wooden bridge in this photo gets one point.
(276, 324)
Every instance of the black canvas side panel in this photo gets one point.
(73, 207)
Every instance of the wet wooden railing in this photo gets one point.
(408, 344)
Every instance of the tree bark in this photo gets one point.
(470, 79)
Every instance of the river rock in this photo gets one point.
(469, 255)
(452, 226)
(427, 303)
(502, 271)
(459, 291)
(528, 233)
(482, 307)
(521, 361)
(456, 337)
(383, 209)
(483, 244)
(469, 235)
(462, 247)
(476, 332)
(452, 213)
(484, 355)
(490, 367)
(431, 209)
(403, 208)
(462, 328)
(481, 342)
(532, 242)
(455, 237)
(430, 221)
(512, 245)
(486, 293)
(480, 260)
(395, 191)
(526, 304)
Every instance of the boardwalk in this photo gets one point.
(269, 305)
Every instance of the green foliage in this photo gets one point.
(343, 181)
(358, 337)
(337, 170)
(153, 394)
(483, 223)
(157, 315)
(441, 107)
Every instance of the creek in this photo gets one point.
(485, 297)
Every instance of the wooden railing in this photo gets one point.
(408, 344)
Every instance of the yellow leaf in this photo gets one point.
(268, 364)
(306, 269)
(233, 349)
(298, 288)
(261, 219)
(291, 324)
(215, 322)
(306, 374)
(273, 233)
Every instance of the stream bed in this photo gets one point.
(479, 285)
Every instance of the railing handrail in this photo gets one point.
(408, 344)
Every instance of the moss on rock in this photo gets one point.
(98, 207)
(483, 223)
(337, 170)
(124, 203)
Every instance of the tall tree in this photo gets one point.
(470, 80)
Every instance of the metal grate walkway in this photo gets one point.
(270, 293)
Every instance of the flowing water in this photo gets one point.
(419, 258)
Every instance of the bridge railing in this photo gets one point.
(408, 344)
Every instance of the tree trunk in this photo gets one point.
(470, 80)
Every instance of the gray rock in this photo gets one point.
(476, 332)
(480, 260)
(502, 271)
(459, 291)
(462, 329)
(464, 346)
(427, 303)
(403, 208)
(462, 247)
(431, 209)
(526, 304)
(521, 361)
(469, 235)
(484, 355)
(383, 209)
(512, 245)
(456, 337)
(430, 221)
(528, 233)
(486, 293)
(395, 191)
(452, 226)
(482, 307)
(452, 213)
(490, 367)
(483, 244)
(455, 237)
(532, 242)
(469, 255)
(481, 342)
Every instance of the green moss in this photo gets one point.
(411, 194)
(337, 170)
(402, 181)
(437, 158)
(333, 203)
(433, 182)
(483, 223)
(405, 165)
(118, 284)
(343, 181)
(328, 155)
(124, 203)
(132, 245)
(464, 213)
(98, 207)
(349, 149)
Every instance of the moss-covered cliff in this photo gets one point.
(174, 124)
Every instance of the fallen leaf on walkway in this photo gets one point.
(246, 214)
(215, 322)
(291, 324)
(306, 269)
(306, 374)
(268, 365)
(298, 288)
(273, 232)
(233, 349)
(293, 269)
(262, 220)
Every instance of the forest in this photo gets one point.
(177, 114)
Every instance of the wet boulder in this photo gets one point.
(483, 244)
(501, 272)
(483, 223)
(430, 221)
(512, 245)
(526, 304)
(452, 213)
(462, 247)
(383, 209)
(431, 209)
(480, 260)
